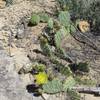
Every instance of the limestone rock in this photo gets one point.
(11, 87)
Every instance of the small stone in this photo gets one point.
(46, 96)
(20, 32)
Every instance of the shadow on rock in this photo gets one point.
(32, 88)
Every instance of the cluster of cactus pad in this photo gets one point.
(37, 18)
(56, 86)
(57, 31)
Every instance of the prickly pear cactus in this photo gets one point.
(65, 71)
(45, 46)
(39, 67)
(64, 18)
(52, 87)
(56, 86)
(69, 83)
(60, 35)
(50, 23)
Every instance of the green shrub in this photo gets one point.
(35, 19)
(39, 67)
(60, 35)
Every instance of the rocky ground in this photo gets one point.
(13, 86)
(14, 51)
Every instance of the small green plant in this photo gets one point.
(50, 23)
(43, 17)
(39, 67)
(35, 19)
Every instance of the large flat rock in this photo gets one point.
(11, 86)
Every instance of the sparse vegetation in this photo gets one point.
(56, 66)
(56, 30)
(84, 81)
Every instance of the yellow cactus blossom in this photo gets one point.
(41, 78)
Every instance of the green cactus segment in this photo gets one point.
(72, 29)
(39, 67)
(44, 17)
(65, 71)
(50, 23)
(64, 18)
(35, 19)
(46, 48)
(69, 83)
(56, 86)
(52, 87)
(60, 35)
